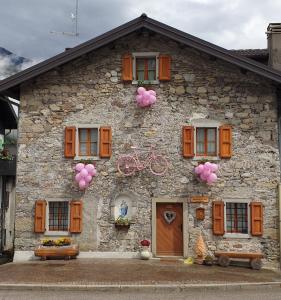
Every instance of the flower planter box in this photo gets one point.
(66, 252)
(122, 227)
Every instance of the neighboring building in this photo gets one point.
(8, 122)
(212, 104)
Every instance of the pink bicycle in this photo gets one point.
(130, 163)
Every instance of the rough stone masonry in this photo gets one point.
(89, 90)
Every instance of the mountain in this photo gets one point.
(11, 63)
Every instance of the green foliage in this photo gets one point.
(122, 221)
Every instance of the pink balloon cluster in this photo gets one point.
(207, 172)
(145, 98)
(84, 174)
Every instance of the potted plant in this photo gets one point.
(208, 261)
(61, 247)
(122, 223)
(145, 253)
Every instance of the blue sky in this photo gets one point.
(25, 25)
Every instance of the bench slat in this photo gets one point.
(239, 254)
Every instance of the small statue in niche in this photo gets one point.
(123, 210)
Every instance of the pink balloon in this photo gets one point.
(89, 167)
(84, 173)
(206, 172)
(79, 167)
(146, 95)
(197, 170)
(152, 99)
(200, 169)
(213, 177)
(208, 165)
(153, 93)
(139, 98)
(78, 177)
(214, 167)
(93, 173)
(145, 102)
(88, 178)
(141, 90)
(82, 184)
(203, 176)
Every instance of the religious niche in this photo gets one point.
(123, 209)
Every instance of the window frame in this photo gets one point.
(206, 123)
(136, 55)
(77, 142)
(236, 234)
(206, 142)
(56, 232)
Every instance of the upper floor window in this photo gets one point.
(145, 68)
(87, 142)
(206, 141)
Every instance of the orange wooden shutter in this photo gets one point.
(40, 216)
(127, 68)
(75, 217)
(225, 141)
(256, 218)
(164, 67)
(188, 141)
(218, 217)
(105, 142)
(69, 142)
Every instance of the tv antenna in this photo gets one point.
(74, 19)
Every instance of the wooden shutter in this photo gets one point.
(75, 217)
(164, 67)
(40, 216)
(188, 141)
(105, 142)
(127, 68)
(218, 217)
(256, 218)
(69, 142)
(225, 136)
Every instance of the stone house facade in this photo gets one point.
(211, 106)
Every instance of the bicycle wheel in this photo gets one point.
(126, 165)
(158, 165)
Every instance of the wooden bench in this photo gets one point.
(52, 251)
(254, 258)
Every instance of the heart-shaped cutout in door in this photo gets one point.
(169, 216)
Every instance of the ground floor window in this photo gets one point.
(58, 216)
(237, 217)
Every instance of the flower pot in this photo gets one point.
(145, 254)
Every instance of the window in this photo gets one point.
(88, 141)
(237, 217)
(206, 141)
(58, 216)
(145, 67)
(206, 138)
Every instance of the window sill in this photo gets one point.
(237, 235)
(56, 233)
(86, 158)
(144, 83)
(206, 158)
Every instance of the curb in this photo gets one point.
(139, 287)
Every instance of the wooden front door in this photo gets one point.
(169, 229)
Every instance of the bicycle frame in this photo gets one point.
(140, 165)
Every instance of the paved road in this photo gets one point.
(252, 294)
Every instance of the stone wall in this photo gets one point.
(90, 90)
